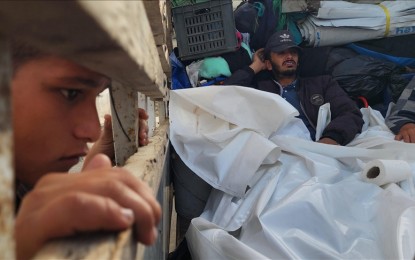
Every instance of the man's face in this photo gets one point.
(284, 63)
(54, 115)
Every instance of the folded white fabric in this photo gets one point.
(221, 132)
(342, 22)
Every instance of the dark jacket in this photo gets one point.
(346, 119)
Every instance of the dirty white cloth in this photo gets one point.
(280, 195)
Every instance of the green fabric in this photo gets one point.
(277, 5)
(246, 47)
(213, 67)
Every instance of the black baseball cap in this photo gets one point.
(281, 41)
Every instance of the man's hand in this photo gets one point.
(406, 133)
(326, 140)
(105, 144)
(99, 198)
(258, 62)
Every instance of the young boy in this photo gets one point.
(54, 117)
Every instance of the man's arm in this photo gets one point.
(401, 119)
(245, 76)
(99, 198)
(346, 118)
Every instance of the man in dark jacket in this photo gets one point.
(274, 69)
(401, 119)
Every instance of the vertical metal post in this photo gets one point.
(124, 121)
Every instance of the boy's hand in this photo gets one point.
(99, 198)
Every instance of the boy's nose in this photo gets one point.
(88, 126)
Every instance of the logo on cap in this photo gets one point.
(285, 38)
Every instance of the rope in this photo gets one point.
(388, 19)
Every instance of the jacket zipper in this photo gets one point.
(301, 104)
(311, 123)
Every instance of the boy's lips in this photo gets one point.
(72, 159)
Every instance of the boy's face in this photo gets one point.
(54, 115)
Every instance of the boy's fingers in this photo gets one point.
(142, 114)
(97, 162)
(107, 121)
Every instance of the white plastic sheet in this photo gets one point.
(307, 201)
(233, 147)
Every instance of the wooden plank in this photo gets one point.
(104, 245)
(124, 121)
(157, 15)
(6, 157)
(128, 23)
(155, 158)
(160, 22)
(163, 108)
(164, 59)
(157, 19)
(152, 119)
(160, 249)
(169, 28)
(111, 37)
(147, 163)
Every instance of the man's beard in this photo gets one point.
(286, 73)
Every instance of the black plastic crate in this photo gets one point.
(204, 29)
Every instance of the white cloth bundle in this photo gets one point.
(304, 200)
(234, 134)
(342, 22)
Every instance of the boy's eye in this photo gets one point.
(70, 94)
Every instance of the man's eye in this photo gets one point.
(70, 94)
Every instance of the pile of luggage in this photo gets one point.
(374, 69)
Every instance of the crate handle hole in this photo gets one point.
(202, 11)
